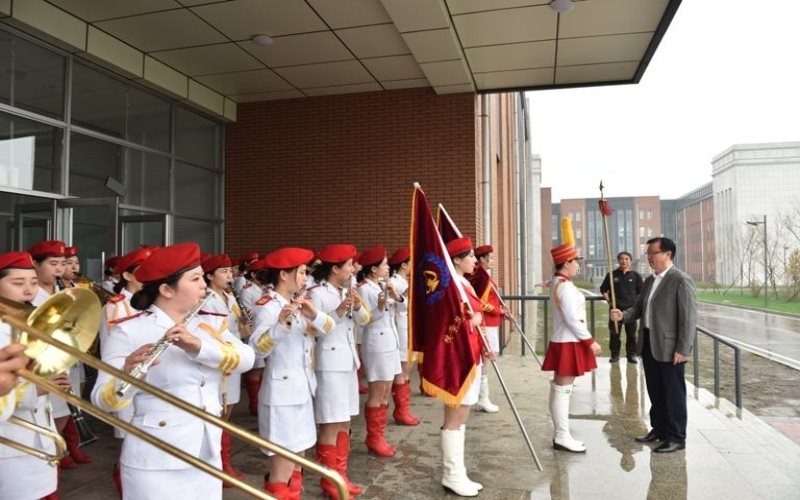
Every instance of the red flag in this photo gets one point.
(447, 227)
(484, 286)
(605, 208)
(439, 327)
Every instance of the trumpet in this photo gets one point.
(293, 316)
(60, 331)
(102, 294)
(142, 368)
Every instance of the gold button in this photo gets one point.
(162, 424)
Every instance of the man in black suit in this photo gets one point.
(667, 308)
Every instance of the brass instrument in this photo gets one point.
(64, 331)
(102, 294)
(141, 369)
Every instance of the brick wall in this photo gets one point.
(313, 171)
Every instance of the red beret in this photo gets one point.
(400, 256)
(214, 262)
(16, 260)
(131, 259)
(458, 246)
(48, 248)
(371, 256)
(287, 258)
(167, 261)
(337, 253)
(563, 253)
(248, 257)
(111, 262)
(70, 252)
(483, 250)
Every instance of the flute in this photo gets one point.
(141, 369)
(293, 315)
(384, 282)
(349, 291)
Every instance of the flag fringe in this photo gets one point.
(445, 397)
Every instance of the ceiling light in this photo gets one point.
(561, 6)
(265, 40)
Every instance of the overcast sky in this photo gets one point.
(726, 72)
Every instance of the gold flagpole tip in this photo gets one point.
(416, 185)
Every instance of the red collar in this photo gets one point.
(560, 275)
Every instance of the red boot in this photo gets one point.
(376, 442)
(72, 438)
(116, 475)
(278, 490)
(342, 457)
(67, 463)
(296, 484)
(227, 467)
(402, 404)
(252, 386)
(326, 455)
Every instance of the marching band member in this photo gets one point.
(572, 349)
(493, 314)
(192, 368)
(109, 277)
(240, 272)
(50, 264)
(285, 326)
(72, 266)
(218, 276)
(23, 476)
(358, 330)
(454, 476)
(11, 360)
(379, 347)
(117, 310)
(401, 389)
(337, 362)
(249, 293)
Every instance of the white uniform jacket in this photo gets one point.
(569, 312)
(24, 403)
(117, 309)
(250, 294)
(289, 377)
(336, 351)
(195, 379)
(380, 334)
(225, 305)
(401, 307)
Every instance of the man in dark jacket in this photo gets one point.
(627, 287)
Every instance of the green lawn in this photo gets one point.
(734, 299)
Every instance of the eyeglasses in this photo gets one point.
(650, 254)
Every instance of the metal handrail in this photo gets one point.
(593, 299)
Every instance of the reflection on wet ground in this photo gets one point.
(726, 457)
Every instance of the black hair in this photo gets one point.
(323, 270)
(366, 270)
(624, 253)
(145, 297)
(5, 272)
(666, 245)
(393, 268)
(461, 255)
(272, 276)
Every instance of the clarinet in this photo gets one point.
(246, 316)
(60, 284)
(141, 369)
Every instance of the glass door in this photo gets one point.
(33, 222)
(142, 229)
(92, 225)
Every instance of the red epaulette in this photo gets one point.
(212, 313)
(313, 287)
(122, 320)
(263, 300)
(247, 285)
(361, 283)
(116, 298)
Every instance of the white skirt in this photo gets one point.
(337, 397)
(186, 484)
(290, 426)
(26, 478)
(381, 366)
(402, 341)
(493, 334)
(233, 388)
(471, 397)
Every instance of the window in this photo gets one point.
(30, 154)
(31, 77)
(147, 179)
(197, 139)
(197, 191)
(206, 234)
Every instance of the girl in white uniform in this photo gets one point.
(337, 360)
(23, 476)
(218, 275)
(401, 389)
(192, 369)
(284, 332)
(379, 347)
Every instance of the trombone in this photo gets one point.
(66, 314)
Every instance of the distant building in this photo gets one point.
(689, 220)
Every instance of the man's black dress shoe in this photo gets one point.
(648, 438)
(669, 447)
(632, 359)
(614, 358)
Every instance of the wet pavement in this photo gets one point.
(774, 336)
(727, 456)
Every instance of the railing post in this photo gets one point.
(546, 336)
(716, 368)
(591, 317)
(523, 318)
(696, 363)
(737, 353)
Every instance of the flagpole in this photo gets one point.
(516, 324)
(608, 255)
